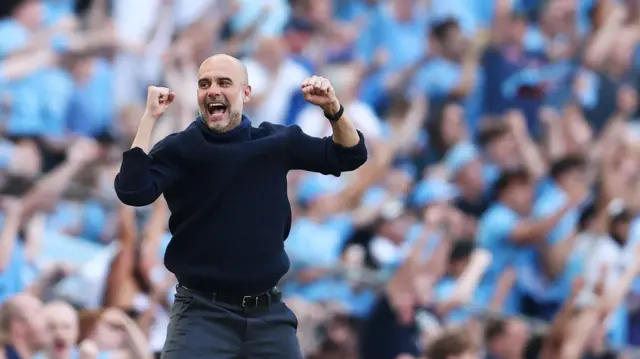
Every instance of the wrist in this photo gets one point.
(147, 123)
(332, 108)
(148, 117)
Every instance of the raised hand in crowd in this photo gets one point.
(88, 349)
(83, 151)
(627, 100)
(12, 208)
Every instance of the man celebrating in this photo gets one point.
(225, 184)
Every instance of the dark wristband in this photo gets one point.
(336, 116)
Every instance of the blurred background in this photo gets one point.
(502, 194)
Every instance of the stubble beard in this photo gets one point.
(234, 120)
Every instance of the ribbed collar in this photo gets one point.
(240, 133)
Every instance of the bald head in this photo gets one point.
(225, 61)
(17, 307)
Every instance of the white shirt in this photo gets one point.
(277, 89)
(604, 252)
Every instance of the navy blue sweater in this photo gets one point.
(227, 194)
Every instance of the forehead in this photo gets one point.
(59, 312)
(220, 67)
(31, 304)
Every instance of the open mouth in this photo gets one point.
(59, 345)
(216, 108)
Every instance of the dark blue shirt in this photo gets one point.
(513, 80)
(384, 337)
(227, 194)
(10, 352)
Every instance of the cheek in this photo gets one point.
(201, 96)
(240, 98)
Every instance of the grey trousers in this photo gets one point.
(201, 328)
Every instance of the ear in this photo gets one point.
(246, 96)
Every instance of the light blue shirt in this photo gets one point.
(443, 291)
(405, 43)
(14, 36)
(531, 279)
(439, 77)
(92, 104)
(55, 104)
(55, 10)
(7, 149)
(312, 244)
(75, 354)
(552, 200)
(494, 234)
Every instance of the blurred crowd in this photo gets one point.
(498, 215)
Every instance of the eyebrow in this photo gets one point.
(216, 78)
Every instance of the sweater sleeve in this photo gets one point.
(143, 177)
(324, 156)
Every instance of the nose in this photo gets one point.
(213, 92)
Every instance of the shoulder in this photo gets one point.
(497, 211)
(10, 27)
(168, 143)
(272, 129)
(604, 251)
(548, 202)
(497, 218)
(170, 146)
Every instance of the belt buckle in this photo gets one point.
(247, 301)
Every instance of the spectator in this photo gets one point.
(506, 338)
(22, 327)
(114, 333)
(454, 345)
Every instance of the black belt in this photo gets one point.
(262, 300)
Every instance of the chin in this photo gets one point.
(217, 124)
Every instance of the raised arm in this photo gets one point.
(145, 174)
(344, 151)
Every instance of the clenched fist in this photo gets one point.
(83, 151)
(88, 350)
(319, 91)
(158, 100)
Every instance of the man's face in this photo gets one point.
(521, 196)
(455, 43)
(62, 323)
(222, 92)
(503, 151)
(30, 14)
(576, 179)
(516, 338)
(470, 178)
